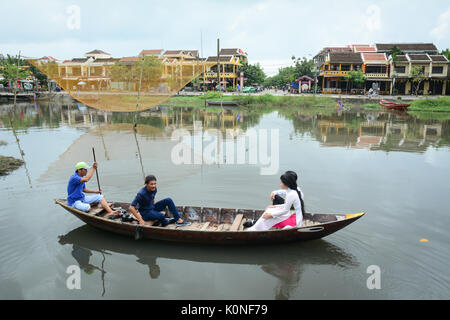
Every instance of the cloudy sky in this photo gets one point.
(270, 31)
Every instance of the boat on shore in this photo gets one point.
(219, 103)
(215, 226)
(394, 105)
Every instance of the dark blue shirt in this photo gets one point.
(145, 200)
(75, 189)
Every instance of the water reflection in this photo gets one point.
(286, 265)
(374, 130)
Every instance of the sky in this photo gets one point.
(271, 31)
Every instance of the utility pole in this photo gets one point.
(15, 81)
(218, 65)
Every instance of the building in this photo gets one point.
(380, 70)
(335, 69)
(434, 67)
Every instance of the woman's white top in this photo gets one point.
(290, 199)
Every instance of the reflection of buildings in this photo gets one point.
(386, 133)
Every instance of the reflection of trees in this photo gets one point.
(286, 265)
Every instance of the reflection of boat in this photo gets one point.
(218, 226)
(223, 103)
(285, 265)
(317, 252)
(393, 105)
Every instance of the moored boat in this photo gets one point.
(394, 105)
(216, 226)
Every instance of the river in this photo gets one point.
(394, 167)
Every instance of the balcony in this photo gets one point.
(335, 73)
(222, 75)
(376, 75)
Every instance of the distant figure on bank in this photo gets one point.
(149, 210)
(279, 215)
(77, 187)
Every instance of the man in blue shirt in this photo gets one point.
(149, 210)
(77, 187)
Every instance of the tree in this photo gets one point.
(417, 76)
(303, 67)
(253, 72)
(446, 53)
(11, 71)
(357, 78)
(394, 52)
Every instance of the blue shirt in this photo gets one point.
(75, 189)
(145, 200)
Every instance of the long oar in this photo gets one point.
(96, 171)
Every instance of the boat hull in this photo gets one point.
(335, 223)
(394, 106)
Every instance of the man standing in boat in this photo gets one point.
(149, 210)
(76, 189)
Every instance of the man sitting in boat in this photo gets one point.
(280, 216)
(76, 189)
(149, 210)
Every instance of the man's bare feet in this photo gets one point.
(112, 214)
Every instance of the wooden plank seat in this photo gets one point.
(237, 222)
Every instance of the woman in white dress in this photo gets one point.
(279, 213)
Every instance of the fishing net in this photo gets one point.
(125, 84)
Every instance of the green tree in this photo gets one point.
(446, 53)
(303, 67)
(357, 78)
(253, 72)
(11, 71)
(394, 52)
(417, 76)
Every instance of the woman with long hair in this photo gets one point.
(277, 214)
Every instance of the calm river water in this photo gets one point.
(394, 167)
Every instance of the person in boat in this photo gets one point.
(280, 215)
(76, 189)
(145, 209)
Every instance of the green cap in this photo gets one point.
(81, 165)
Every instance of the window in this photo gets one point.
(345, 67)
(437, 70)
(400, 69)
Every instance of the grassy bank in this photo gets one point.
(255, 100)
(441, 104)
(8, 164)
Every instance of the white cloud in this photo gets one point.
(443, 27)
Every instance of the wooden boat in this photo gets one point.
(216, 226)
(223, 103)
(393, 105)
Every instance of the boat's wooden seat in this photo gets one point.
(237, 222)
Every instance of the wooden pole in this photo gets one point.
(15, 81)
(96, 171)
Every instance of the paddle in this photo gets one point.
(96, 171)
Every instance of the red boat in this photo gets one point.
(393, 105)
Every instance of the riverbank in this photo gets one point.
(440, 104)
(8, 164)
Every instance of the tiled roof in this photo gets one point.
(230, 52)
(151, 52)
(79, 60)
(407, 46)
(173, 52)
(345, 57)
(97, 52)
(126, 59)
(363, 48)
(438, 58)
(222, 59)
(418, 57)
(377, 57)
(402, 58)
